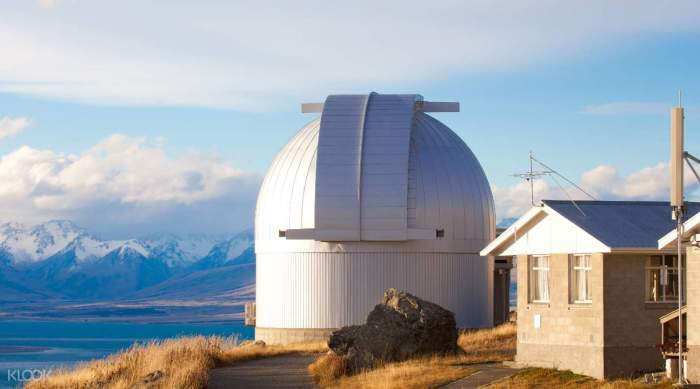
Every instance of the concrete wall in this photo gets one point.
(632, 328)
(615, 336)
(570, 336)
(292, 335)
(693, 302)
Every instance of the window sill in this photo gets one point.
(575, 306)
(537, 304)
(661, 304)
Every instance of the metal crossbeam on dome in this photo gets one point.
(423, 106)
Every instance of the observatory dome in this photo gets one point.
(374, 193)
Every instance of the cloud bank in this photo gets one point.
(248, 54)
(11, 126)
(126, 186)
(602, 182)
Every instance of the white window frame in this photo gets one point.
(669, 271)
(532, 271)
(573, 270)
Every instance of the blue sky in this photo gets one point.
(213, 90)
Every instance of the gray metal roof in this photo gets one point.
(622, 224)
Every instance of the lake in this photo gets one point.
(33, 347)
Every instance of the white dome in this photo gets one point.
(447, 189)
(380, 202)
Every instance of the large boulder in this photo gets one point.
(403, 326)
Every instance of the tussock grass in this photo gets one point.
(495, 344)
(328, 368)
(477, 346)
(414, 374)
(550, 378)
(173, 363)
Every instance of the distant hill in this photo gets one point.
(230, 279)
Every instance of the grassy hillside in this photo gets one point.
(180, 363)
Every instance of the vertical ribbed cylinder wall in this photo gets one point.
(331, 290)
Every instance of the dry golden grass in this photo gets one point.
(328, 368)
(550, 378)
(495, 344)
(414, 374)
(487, 345)
(181, 363)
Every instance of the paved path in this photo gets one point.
(286, 371)
(487, 374)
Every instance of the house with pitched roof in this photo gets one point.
(592, 284)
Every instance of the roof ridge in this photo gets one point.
(632, 202)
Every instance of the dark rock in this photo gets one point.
(403, 326)
(152, 377)
(260, 343)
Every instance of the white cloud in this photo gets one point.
(629, 108)
(249, 53)
(11, 126)
(124, 184)
(603, 182)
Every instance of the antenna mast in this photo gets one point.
(530, 177)
(677, 207)
(532, 174)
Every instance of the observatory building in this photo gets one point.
(373, 194)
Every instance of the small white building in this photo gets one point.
(592, 284)
(374, 193)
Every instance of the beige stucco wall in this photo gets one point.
(570, 336)
(693, 302)
(614, 336)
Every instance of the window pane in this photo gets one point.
(671, 288)
(539, 278)
(589, 296)
(573, 281)
(579, 287)
(581, 276)
(533, 284)
(662, 278)
(544, 285)
(654, 284)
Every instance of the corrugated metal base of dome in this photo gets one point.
(331, 290)
(292, 335)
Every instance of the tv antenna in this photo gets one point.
(532, 174)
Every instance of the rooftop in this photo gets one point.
(614, 225)
(622, 224)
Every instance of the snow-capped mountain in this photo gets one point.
(229, 250)
(60, 257)
(26, 245)
(179, 252)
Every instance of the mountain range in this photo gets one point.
(60, 260)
